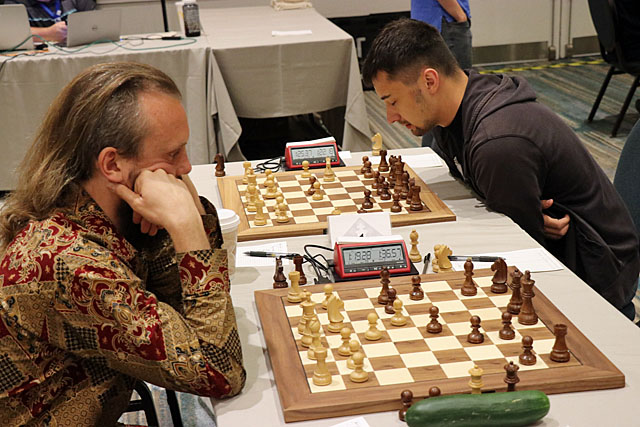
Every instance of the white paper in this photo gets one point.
(534, 260)
(243, 260)
(429, 160)
(356, 422)
(290, 33)
(345, 154)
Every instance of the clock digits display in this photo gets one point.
(373, 255)
(313, 154)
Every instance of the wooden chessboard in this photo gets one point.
(408, 357)
(308, 216)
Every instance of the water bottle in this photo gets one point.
(191, 18)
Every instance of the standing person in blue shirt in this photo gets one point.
(48, 18)
(452, 19)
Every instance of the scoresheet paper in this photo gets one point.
(243, 260)
(535, 260)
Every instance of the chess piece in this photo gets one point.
(373, 333)
(434, 327)
(297, 261)
(376, 176)
(334, 305)
(314, 328)
(527, 357)
(396, 204)
(219, 160)
(441, 263)
(328, 291)
(383, 166)
(365, 159)
(476, 379)
(305, 169)
(308, 312)
(294, 294)
(434, 392)
(354, 346)
(417, 293)
(282, 214)
(512, 376)
(279, 279)
(398, 318)
(527, 314)
(345, 334)
(383, 298)
(252, 190)
(358, 375)
(469, 286)
(377, 144)
(507, 332)
(267, 177)
(391, 294)
(414, 254)
(516, 299)
(368, 171)
(272, 189)
(416, 202)
(317, 192)
(329, 175)
(406, 397)
(252, 178)
(321, 375)
(560, 352)
(260, 218)
(404, 195)
(311, 190)
(499, 280)
(336, 211)
(246, 166)
(385, 191)
(368, 201)
(475, 336)
(380, 186)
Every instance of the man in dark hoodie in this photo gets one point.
(516, 154)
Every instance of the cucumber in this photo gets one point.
(507, 409)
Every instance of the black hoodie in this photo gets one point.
(515, 152)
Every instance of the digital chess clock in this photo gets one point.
(367, 259)
(315, 152)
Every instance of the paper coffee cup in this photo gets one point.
(229, 221)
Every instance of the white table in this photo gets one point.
(476, 230)
(29, 84)
(269, 76)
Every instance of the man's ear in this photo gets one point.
(112, 165)
(430, 80)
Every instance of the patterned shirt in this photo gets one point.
(84, 312)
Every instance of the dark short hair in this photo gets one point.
(403, 47)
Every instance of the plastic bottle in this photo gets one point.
(191, 18)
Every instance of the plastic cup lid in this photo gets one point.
(228, 219)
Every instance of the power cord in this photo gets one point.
(317, 265)
(273, 165)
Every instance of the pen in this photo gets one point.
(264, 254)
(473, 258)
(427, 257)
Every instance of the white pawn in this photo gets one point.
(329, 175)
(247, 167)
(272, 190)
(260, 218)
(305, 169)
(359, 375)
(398, 319)
(373, 333)
(328, 291)
(317, 195)
(267, 176)
(282, 216)
(344, 349)
(354, 346)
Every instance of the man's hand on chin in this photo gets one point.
(160, 200)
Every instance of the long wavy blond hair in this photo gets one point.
(97, 109)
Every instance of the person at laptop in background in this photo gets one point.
(48, 18)
(513, 152)
(112, 269)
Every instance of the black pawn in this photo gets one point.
(507, 332)
(434, 392)
(527, 357)
(407, 398)
(297, 261)
(515, 303)
(475, 336)
(434, 327)
(396, 203)
(512, 376)
(385, 191)
(383, 298)
(417, 293)
(391, 293)
(376, 176)
(380, 186)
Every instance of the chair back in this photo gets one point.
(627, 178)
(603, 15)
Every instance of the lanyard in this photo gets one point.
(56, 16)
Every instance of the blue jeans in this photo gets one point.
(457, 36)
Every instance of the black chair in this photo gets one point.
(145, 403)
(605, 20)
(627, 178)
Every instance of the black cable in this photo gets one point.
(273, 165)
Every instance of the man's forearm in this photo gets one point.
(453, 8)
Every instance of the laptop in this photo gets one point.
(94, 25)
(14, 27)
